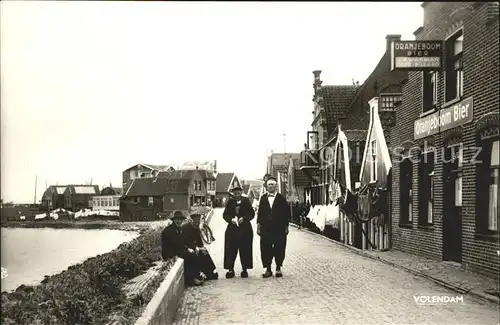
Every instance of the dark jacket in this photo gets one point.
(242, 210)
(192, 235)
(173, 242)
(275, 218)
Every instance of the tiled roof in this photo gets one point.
(223, 181)
(352, 135)
(355, 135)
(336, 100)
(147, 186)
(177, 185)
(112, 191)
(176, 174)
(301, 179)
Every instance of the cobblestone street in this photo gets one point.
(323, 283)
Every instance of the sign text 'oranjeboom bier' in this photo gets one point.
(445, 119)
(417, 55)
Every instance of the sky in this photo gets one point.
(89, 89)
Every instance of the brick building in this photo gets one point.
(445, 203)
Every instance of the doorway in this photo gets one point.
(452, 204)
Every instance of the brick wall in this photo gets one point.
(481, 80)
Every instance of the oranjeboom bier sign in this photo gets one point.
(445, 119)
(417, 55)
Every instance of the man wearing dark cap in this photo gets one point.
(174, 243)
(273, 217)
(239, 233)
(192, 233)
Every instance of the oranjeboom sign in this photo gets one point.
(445, 119)
(417, 55)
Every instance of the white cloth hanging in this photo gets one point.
(321, 218)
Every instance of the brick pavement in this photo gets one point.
(323, 283)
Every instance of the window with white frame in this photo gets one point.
(373, 161)
(454, 67)
(430, 90)
(387, 101)
(150, 201)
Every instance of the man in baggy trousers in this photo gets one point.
(239, 233)
(273, 219)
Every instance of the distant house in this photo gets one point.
(53, 197)
(77, 197)
(254, 189)
(225, 182)
(142, 170)
(109, 200)
(143, 199)
(187, 188)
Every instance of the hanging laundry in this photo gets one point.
(350, 206)
(321, 218)
(364, 203)
(332, 215)
(380, 206)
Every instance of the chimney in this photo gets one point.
(391, 38)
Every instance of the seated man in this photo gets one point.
(192, 234)
(173, 243)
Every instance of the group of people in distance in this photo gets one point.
(273, 216)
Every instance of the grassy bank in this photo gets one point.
(87, 293)
(84, 224)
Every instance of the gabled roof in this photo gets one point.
(336, 100)
(152, 167)
(384, 150)
(224, 181)
(147, 186)
(245, 188)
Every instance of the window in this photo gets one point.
(430, 88)
(387, 101)
(454, 67)
(373, 161)
(406, 193)
(426, 188)
(493, 193)
(150, 201)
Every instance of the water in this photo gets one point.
(30, 254)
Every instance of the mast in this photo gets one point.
(36, 179)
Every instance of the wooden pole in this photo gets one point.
(36, 179)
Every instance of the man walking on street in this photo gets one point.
(273, 218)
(239, 233)
(174, 243)
(192, 233)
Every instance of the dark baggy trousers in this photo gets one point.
(272, 245)
(238, 242)
(192, 266)
(207, 264)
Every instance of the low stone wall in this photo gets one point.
(162, 309)
(163, 306)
